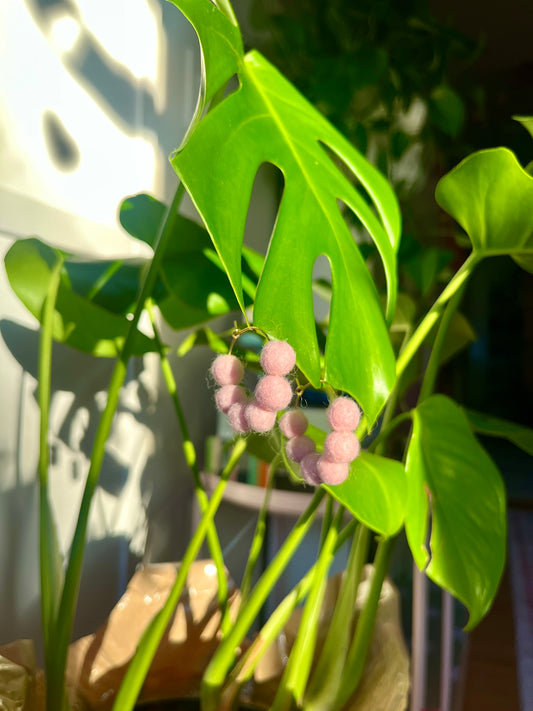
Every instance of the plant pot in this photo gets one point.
(97, 663)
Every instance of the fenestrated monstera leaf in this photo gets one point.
(267, 120)
(491, 197)
(456, 495)
(221, 44)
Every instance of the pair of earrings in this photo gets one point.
(272, 394)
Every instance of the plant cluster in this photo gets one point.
(441, 487)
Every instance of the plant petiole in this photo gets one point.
(435, 312)
(140, 664)
(192, 462)
(219, 666)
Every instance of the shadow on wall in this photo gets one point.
(141, 509)
(101, 582)
(129, 101)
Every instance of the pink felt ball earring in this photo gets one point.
(272, 394)
(273, 391)
(341, 446)
(300, 448)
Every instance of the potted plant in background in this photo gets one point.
(424, 471)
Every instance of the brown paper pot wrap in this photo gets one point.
(384, 685)
(97, 663)
(21, 683)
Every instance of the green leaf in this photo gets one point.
(491, 197)
(221, 45)
(141, 215)
(374, 493)
(203, 337)
(264, 448)
(405, 314)
(196, 287)
(519, 435)
(460, 335)
(113, 285)
(527, 123)
(267, 120)
(77, 321)
(454, 488)
(446, 110)
(425, 266)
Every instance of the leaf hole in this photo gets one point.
(233, 85)
(322, 294)
(348, 173)
(263, 208)
(265, 200)
(365, 245)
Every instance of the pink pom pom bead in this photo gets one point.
(293, 423)
(298, 447)
(332, 473)
(237, 418)
(273, 392)
(227, 370)
(258, 419)
(343, 414)
(341, 446)
(277, 358)
(228, 395)
(308, 469)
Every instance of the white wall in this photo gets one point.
(93, 96)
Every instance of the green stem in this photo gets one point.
(355, 661)
(103, 279)
(326, 521)
(294, 680)
(50, 558)
(246, 666)
(217, 670)
(377, 444)
(191, 459)
(67, 606)
(259, 535)
(140, 664)
(433, 315)
(430, 376)
(392, 403)
(327, 675)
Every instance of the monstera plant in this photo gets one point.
(439, 484)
